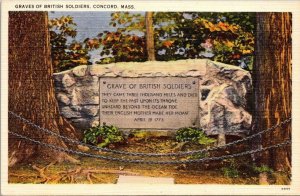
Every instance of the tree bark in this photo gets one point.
(150, 36)
(273, 85)
(31, 89)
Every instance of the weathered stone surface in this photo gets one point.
(90, 110)
(223, 91)
(69, 113)
(67, 80)
(80, 70)
(98, 70)
(84, 123)
(225, 112)
(85, 95)
(63, 98)
(91, 81)
(81, 123)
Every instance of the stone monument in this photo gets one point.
(157, 96)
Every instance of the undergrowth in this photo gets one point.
(194, 135)
(103, 136)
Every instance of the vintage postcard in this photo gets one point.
(149, 98)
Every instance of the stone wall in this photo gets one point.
(223, 91)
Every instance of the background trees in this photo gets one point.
(66, 56)
(163, 36)
(225, 37)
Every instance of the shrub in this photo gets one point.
(103, 135)
(189, 134)
(230, 172)
(262, 169)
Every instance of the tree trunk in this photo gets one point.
(150, 36)
(273, 85)
(31, 89)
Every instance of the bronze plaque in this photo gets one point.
(149, 103)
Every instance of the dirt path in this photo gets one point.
(92, 170)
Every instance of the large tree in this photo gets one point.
(31, 89)
(273, 84)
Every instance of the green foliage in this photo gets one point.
(103, 135)
(262, 169)
(231, 170)
(123, 45)
(120, 47)
(66, 56)
(198, 155)
(225, 37)
(189, 134)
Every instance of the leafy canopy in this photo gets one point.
(66, 56)
(224, 37)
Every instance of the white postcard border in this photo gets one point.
(207, 6)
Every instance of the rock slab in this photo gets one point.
(223, 91)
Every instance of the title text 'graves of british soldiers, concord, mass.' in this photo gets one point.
(149, 103)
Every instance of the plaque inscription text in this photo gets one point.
(150, 103)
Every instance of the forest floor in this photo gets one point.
(93, 170)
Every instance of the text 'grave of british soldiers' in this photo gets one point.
(157, 96)
(166, 103)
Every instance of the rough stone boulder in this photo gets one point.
(223, 91)
(223, 104)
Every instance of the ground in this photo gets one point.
(93, 170)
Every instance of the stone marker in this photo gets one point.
(223, 92)
(155, 103)
(144, 180)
